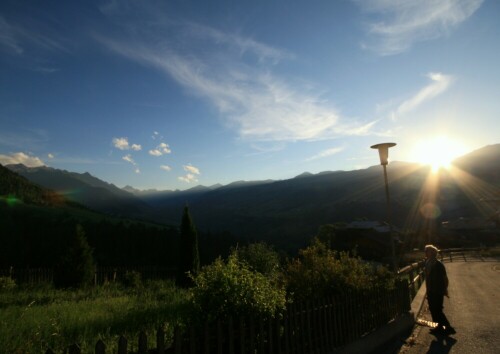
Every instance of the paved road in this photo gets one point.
(473, 309)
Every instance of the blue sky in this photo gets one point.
(171, 94)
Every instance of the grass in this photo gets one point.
(33, 319)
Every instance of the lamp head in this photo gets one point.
(383, 151)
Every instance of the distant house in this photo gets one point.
(472, 231)
(463, 223)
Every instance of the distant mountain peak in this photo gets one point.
(304, 174)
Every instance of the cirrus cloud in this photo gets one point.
(400, 24)
(326, 153)
(234, 73)
(439, 84)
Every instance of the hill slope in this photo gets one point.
(87, 190)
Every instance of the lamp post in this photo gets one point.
(383, 151)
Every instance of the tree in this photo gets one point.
(76, 266)
(189, 257)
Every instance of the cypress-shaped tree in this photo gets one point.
(189, 258)
(76, 266)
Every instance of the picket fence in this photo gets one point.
(317, 326)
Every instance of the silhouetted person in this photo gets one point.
(437, 287)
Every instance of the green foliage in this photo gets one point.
(189, 257)
(7, 283)
(76, 267)
(320, 272)
(132, 279)
(261, 258)
(33, 318)
(232, 289)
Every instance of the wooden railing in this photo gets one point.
(461, 254)
(415, 275)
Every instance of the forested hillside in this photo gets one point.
(35, 225)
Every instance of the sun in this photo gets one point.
(438, 152)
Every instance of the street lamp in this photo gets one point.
(383, 151)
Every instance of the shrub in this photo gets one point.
(231, 288)
(321, 272)
(7, 283)
(261, 258)
(132, 279)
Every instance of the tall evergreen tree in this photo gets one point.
(76, 267)
(189, 258)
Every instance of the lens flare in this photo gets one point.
(430, 211)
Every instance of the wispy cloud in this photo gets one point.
(326, 153)
(191, 169)
(188, 178)
(15, 38)
(123, 144)
(400, 24)
(234, 73)
(50, 156)
(166, 168)
(25, 139)
(439, 84)
(21, 158)
(129, 159)
(160, 150)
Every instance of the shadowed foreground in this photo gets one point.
(473, 309)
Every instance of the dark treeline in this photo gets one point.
(32, 236)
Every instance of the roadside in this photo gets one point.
(472, 309)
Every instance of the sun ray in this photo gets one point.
(478, 191)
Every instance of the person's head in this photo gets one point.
(431, 251)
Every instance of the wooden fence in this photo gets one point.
(317, 326)
(102, 274)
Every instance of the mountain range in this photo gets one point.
(288, 212)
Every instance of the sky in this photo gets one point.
(173, 94)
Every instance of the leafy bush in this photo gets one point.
(132, 279)
(7, 283)
(320, 272)
(261, 258)
(231, 288)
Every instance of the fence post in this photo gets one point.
(231, 335)
(160, 341)
(143, 343)
(74, 349)
(122, 345)
(100, 347)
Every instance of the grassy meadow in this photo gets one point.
(33, 319)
